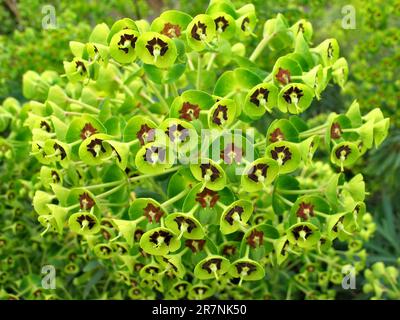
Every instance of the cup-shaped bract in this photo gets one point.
(156, 49)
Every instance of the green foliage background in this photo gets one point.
(372, 51)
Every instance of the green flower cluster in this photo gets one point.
(171, 185)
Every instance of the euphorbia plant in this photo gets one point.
(150, 156)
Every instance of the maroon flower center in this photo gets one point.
(245, 24)
(198, 31)
(220, 115)
(342, 152)
(85, 201)
(305, 210)
(207, 198)
(195, 245)
(145, 134)
(158, 235)
(62, 153)
(221, 23)
(207, 169)
(228, 250)
(155, 154)
(245, 267)
(157, 45)
(84, 217)
(177, 132)
(259, 95)
(153, 213)
(45, 126)
(189, 223)
(258, 172)
(276, 135)
(293, 95)
(215, 261)
(281, 154)
(87, 131)
(255, 238)
(301, 231)
(189, 111)
(230, 215)
(126, 41)
(283, 76)
(336, 131)
(95, 147)
(171, 30)
(231, 153)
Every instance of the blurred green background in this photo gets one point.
(372, 51)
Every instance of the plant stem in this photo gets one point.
(198, 72)
(175, 198)
(260, 47)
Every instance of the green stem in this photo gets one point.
(84, 105)
(260, 47)
(198, 72)
(158, 94)
(175, 198)
(285, 191)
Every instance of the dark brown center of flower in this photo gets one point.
(85, 201)
(283, 76)
(44, 125)
(342, 152)
(305, 210)
(276, 135)
(220, 115)
(177, 132)
(210, 171)
(199, 31)
(157, 47)
(95, 147)
(195, 245)
(245, 268)
(138, 234)
(330, 50)
(126, 41)
(152, 270)
(336, 131)
(255, 238)
(189, 111)
(138, 266)
(293, 95)
(221, 23)
(145, 134)
(161, 235)
(55, 176)
(173, 266)
(231, 153)
(236, 210)
(228, 250)
(258, 172)
(153, 213)
(155, 154)
(79, 65)
(87, 131)
(207, 198)
(211, 264)
(300, 28)
(259, 96)
(171, 30)
(245, 24)
(105, 250)
(84, 217)
(301, 231)
(62, 154)
(281, 154)
(187, 223)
